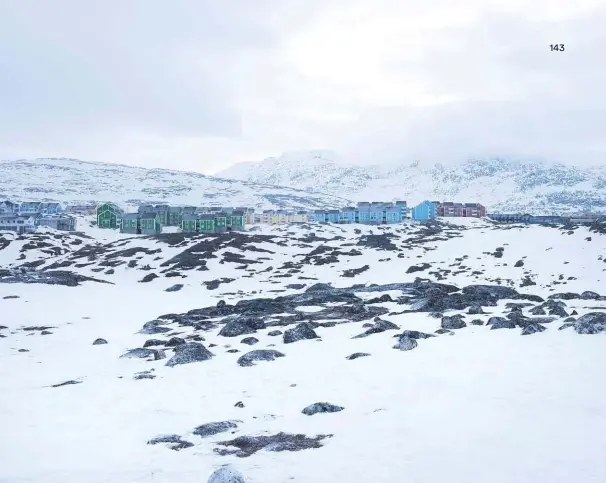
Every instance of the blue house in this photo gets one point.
(50, 208)
(403, 208)
(392, 214)
(320, 216)
(333, 216)
(29, 208)
(348, 215)
(424, 211)
(363, 212)
(377, 211)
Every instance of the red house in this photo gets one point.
(452, 209)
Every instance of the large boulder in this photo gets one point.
(533, 329)
(188, 353)
(99, 342)
(405, 344)
(501, 323)
(210, 429)
(226, 474)
(414, 334)
(249, 358)
(454, 322)
(241, 326)
(302, 331)
(589, 295)
(321, 407)
(154, 327)
(591, 323)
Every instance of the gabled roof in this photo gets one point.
(130, 216)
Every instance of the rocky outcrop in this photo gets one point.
(188, 353)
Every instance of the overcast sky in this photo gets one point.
(200, 84)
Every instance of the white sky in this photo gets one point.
(201, 84)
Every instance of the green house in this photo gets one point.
(220, 222)
(190, 223)
(109, 215)
(174, 216)
(130, 223)
(150, 223)
(206, 223)
(236, 220)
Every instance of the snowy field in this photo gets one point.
(470, 405)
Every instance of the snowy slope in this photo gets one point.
(74, 180)
(471, 406)
(500, 184)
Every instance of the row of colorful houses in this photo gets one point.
(26, 217)
(150, 219)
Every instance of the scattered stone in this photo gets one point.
(379, 326)
(302, 331)
(248, 445)
(99, 342)
(67, 383)
(174, 288)
(188, 353)
(274, 333)
(405, 344)
(175, 341)
(444, 331)
(533, 329)
(210, 429)
(248, 359)
(477, 322)
(154, 327)
(148, 278)
(175, 442)
(475, 309)
(357, 355)
(414, 334)
(519, 263)
(10, 297)
(239, 404)
(144, 375)
(321, 407)
(591, 323)
(240, 326)
(249, 340)
(142, 353)
(46, 332)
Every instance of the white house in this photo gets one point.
(18, 223)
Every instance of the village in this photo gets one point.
(148, 219)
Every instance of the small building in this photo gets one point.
(510, 217)
(18, 223)
(220, 222)
(130, 224)
(150, 223)
(333, 216)
(8, 207)
(236, 220)
(424, 211)
(392, 214)
(206, 223)
(189, 223)
(51, 208)
(376, 212)
(320, 216)
(29, 208)
(59, 221)
(109, 215)
(403, 209)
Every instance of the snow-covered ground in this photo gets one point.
(474, 406)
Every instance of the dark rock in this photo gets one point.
(357, 355)
(519, 263)
(501, 323)
(477, 322)
(302, 331)
(588, 295)
(239, 404)
(591, 323)
(10, 297)
(418, 268)
(99, 342)
(46, 332)
(248, 445)
(558, 311)
(210, 429)
(240, 326)
(533, 329)
(405, 344)
(444, 331)
(249, 358)
(274, 333)
(148, 278)
(175, 442)
(352, 272)
(249, 341)
(564, 296)
(67, 383)
(144, 375)
(414, 334)
(175, 341)
(538, 311)
(453, 322)
(574, 312)
(188, 353)
(175, 288)
(153, 342)
(142, 353)
(475, 310)
(321, 407)
(379, 326)
(154, 327)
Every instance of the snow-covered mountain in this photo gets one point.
(500, 184)
(68, 180)
(456, 352)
